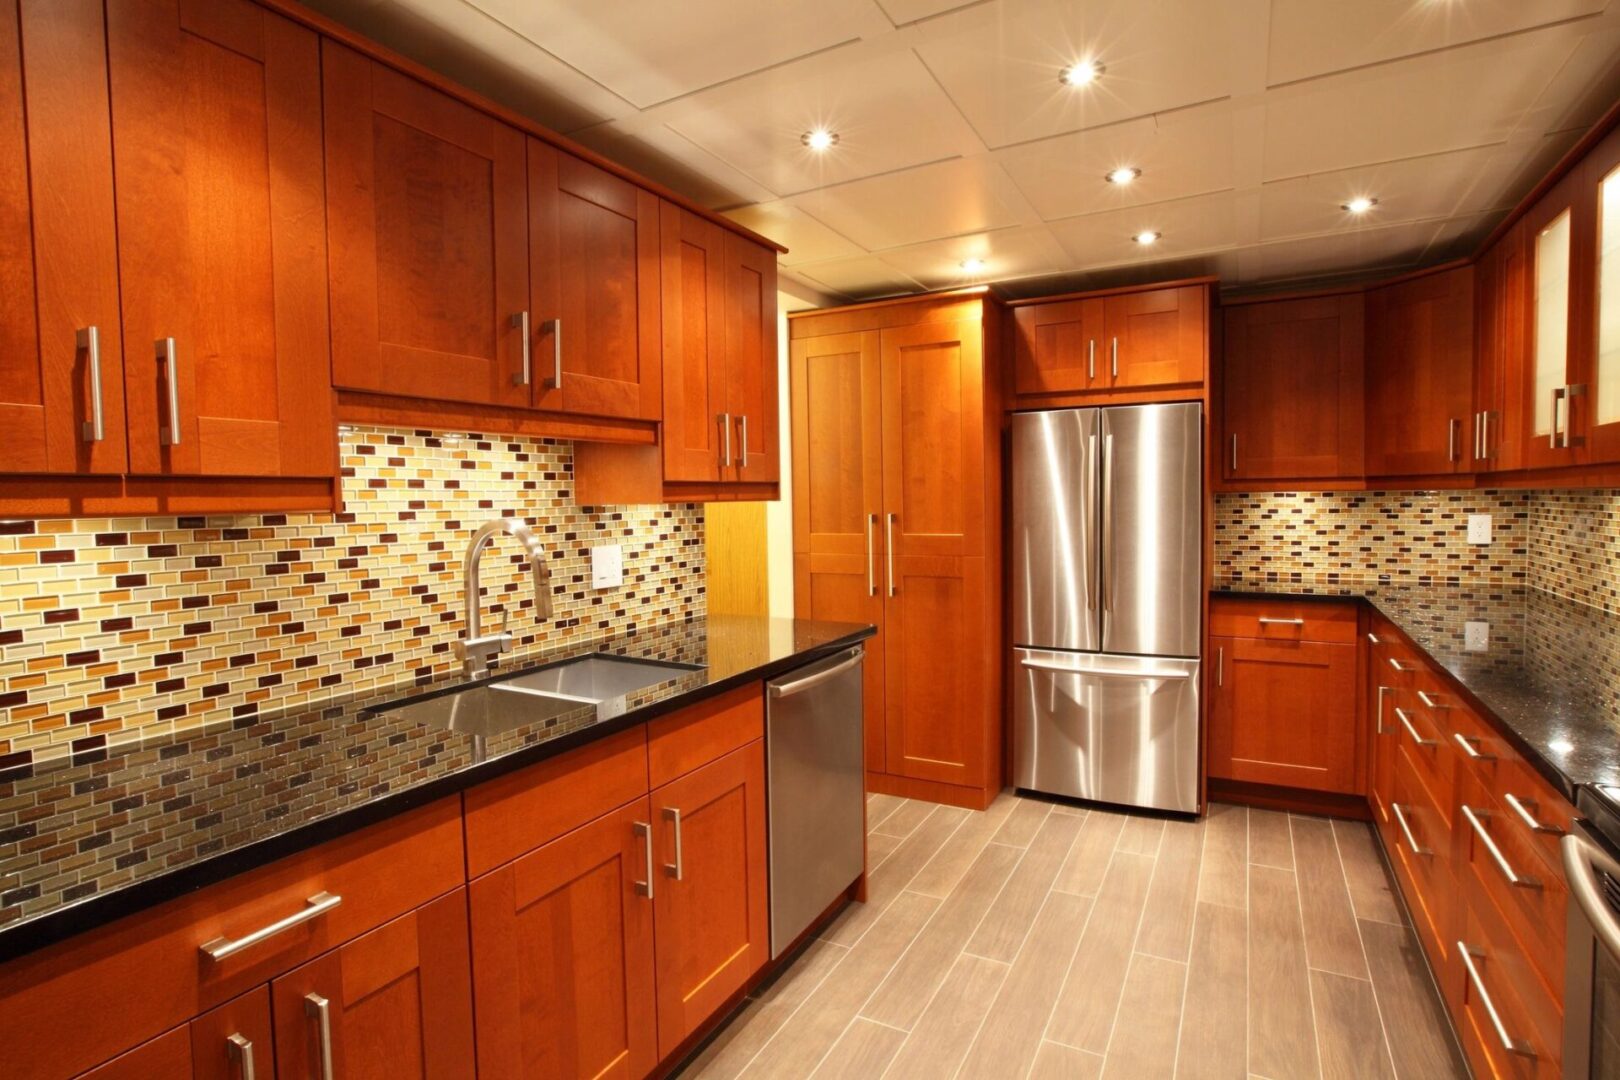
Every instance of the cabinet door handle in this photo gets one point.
(1485, 435)
(1220, 667)
(1372, 638)
(1558, 395)
(675, 869)
(1406, 830)
(1453, 430)
(644, 830)
(521, 321)
(1502, 864)
(1509, 1043)
(320, 1010)
(871, 571)
(742, 441)
(1522, 808)
(555, 326)
(240, 1050)
(1234, 453)
(1398, 666)
(1429, 702)
(1091, 359)
(89, 339)
(1468, 747)
(1400, 714)
(170, 436)
(317, 905)
(1114, 367)
(1383, 692)
(1479, 436)
(888, 549)
(724, 420)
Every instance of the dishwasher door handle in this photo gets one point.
(809, 682)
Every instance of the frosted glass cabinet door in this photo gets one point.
(1605, 375)
(1549, 343)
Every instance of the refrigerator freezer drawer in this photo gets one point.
(1119, 729)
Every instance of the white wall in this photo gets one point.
(779, 514)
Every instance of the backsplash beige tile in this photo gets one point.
(111, 629)
(1575, 545)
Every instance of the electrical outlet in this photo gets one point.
(607, 566)
(1476, 636)
(1479, 528)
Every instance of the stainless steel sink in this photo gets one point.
(593, 679)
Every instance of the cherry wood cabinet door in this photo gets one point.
(1553, 274)
(1284, 713)
(1499, 319)
(1060, 347)
(1598, 423)
(935, 666)
(168, 1055)
(58, 244)
(1292, 402)
(234, 1040)
(1420, 382)
(221, 241)
(1157, 338)
(593, 268)
(396, 1002)
(562, 944)
(751, 359)
(696, 434)
(711, 917)
(428, 208)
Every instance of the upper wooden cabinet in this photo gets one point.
(1551, 371)
(1141, 339)
(1495, 440)
(1291, 397)
(1056, 347)
(1600, 185)
(1420, 384)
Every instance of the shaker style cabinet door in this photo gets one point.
(429, 239)
(751, 358)
(1600, 426)
(1420, 381)
(1548, 383)
(593, 266)
(698, 434)
(216, 121)
(1284, 713)
(1060, 347)
(61, 360)
(1157, 338)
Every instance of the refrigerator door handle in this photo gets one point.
(1106, 533)
(1107, 673)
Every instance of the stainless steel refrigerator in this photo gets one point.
(1107, 554)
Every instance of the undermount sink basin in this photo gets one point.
(593, 678)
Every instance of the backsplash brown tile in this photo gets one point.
(1575, 545)
(110, 629)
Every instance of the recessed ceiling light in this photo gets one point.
(819, 139)
(1146, 238)
(1123, 175)
(972, 265)
(1081, 72)
(1359, 205)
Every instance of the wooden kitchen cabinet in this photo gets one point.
(231, 1041)
(1499, 320)
(1551, 369)
(1599, 417)
(1056, 347)
(1420, 384)
(1118, 341)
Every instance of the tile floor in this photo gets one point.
(1045, 940)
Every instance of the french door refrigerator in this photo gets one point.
(1107, 560)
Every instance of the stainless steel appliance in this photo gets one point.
(1107, 555)
(813, 743)
(1591, 855)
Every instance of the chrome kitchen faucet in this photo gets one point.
(477, 648)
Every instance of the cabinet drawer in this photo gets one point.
(1425, 738)
(1422, 859)
(153, 963)
(1284, 620)
(1499, 978)
(694, 736)
(521, 811)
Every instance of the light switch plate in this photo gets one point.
(1479, 528)
(1476, 636)
(607, 566)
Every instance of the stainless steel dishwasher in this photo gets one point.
(813, 748)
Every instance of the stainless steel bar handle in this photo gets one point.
(724, 420)
(871, 571)
(1406, 722)
(1513, 877)
(1485, 435)
(1234, 454)
(239, 1048)
(742, 441)
(1372, 638)
(1406, 831)
(1106, 673)
(809, 682)
(1509, 1043)
(1582, 861)
(888, 549)
(556, 352)
(320, 1010)
(1453, 430)
(1091, 359)
(1108, 523)
(318, 905)
(644, 830)
(1220, 667)
(1479, 436)
(1468, 747)
(677, 868)
(1523, 807)
(1429, 702)
(1557, 396)
(521, 321)
(1268, 620)
(1115, 366)
(170, 436)
(89, 339)
(1398, 666)
(1383, 692)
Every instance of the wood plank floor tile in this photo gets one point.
(1061, 807)
(1084, 1014)
(1023, 823)
(1012, 1032)
(1269, 843)
(879, 846)
(1141, 835)
(864, 1049)
(1372, 890)
(1414, 1021)
(1223, 877)
(1282, 1042)
(1214, 1024)
(1008, 921)
(1349, 1034)
(1144, 1038)
(887, 881)
(946, 1029)
(736, 1044)
(905, 819)
(952, 860)
(1173, 897)
(1332, 942)
(900, 1000)
(1088, 860)
(1058, 1062)
(878, 808)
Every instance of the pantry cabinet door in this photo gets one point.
(58, 244)
(221, 239)
(429, 233)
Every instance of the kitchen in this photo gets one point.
(891, 537)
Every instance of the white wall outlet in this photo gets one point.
(1479, 528)
(607, 566)
(1476, 636)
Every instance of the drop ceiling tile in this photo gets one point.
(950, 198)
(1393, 247)
(864, 275)
(887, 111)
(1316, 37)
(1006, 254)
(1182, 154)
(1186, 227)
(901, 12)
(806, 239)
(660, 154)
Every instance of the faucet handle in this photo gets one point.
(542, 585)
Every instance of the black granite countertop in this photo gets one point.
(88, 839)
(1549, 677)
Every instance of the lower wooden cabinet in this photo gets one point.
(226, 1043)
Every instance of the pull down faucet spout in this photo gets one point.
(476, 648)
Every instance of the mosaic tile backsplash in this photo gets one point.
(113, 629)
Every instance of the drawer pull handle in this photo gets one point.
(1398, 666)
(1496, 853)
(645, 888)
(1429, 702)
(1267, 620)
(1373, 638)
(1406, 830)
(1406, 722)
(677, 868)
(240, 1050)
(319, 1009)
(1509, 1043)
(1522, 807)
(1383, 692)
(318, 905)
(1468, 747)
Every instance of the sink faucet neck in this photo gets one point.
(477, 649)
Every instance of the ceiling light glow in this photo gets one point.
(1081, 73)
(1123, 175)
(972, 265)
(1359, 205)
(819, 139)
(1146, 238)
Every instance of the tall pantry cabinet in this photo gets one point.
(896, 471)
